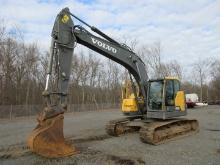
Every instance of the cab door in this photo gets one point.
(174, 98)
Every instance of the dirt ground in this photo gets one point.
(87, 131)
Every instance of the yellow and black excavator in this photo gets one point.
(164, 102)
(151, 107)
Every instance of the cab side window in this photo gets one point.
(169, 98)
(176, 87)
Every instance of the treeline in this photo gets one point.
(93, 80)
(205, 80)
(23, 71)
(202, 79)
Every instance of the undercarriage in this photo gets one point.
(153, 131)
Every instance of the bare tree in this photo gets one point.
(214, 85)
(201, 69)
(8, 60)
(151, 55)
(171, 68)
(94, 66)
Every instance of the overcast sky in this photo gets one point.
(186, 29)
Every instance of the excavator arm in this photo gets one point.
(47, 138)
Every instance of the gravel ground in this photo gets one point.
(86, 130)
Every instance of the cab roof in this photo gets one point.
(165, 78)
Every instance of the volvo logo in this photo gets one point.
(103, 45)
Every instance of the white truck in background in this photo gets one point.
(191, 100)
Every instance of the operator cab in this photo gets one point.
(165, 98)
(156, 88)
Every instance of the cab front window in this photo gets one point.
(155, 95)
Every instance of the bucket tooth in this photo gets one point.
(47, 139)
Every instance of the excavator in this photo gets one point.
(152, 107)
(165, 102)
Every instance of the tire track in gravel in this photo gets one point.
(18, 150)
(86, 154)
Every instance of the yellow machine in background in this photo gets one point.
(163, 94)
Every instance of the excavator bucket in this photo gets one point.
(47, 139)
